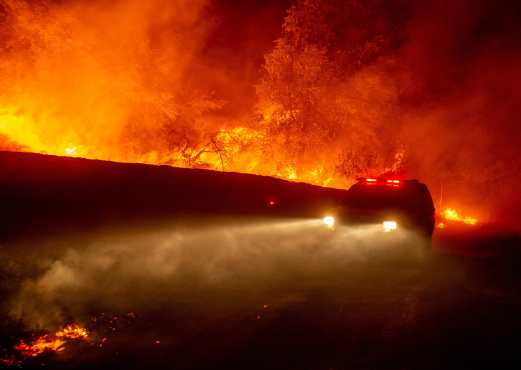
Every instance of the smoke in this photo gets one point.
(91, 75)
(459, 104)
(213, 270)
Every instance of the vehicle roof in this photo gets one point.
(380, 194)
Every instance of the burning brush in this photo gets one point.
(95, 334)
(54, 343)
(451, 215)
(46, 343)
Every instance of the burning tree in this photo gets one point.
(327, 95)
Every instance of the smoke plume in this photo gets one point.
(211, 269)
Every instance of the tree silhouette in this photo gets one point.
(325, 92)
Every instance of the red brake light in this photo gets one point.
(392, 182)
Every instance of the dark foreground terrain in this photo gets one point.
(173, 269)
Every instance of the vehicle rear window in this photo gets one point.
(384, 197)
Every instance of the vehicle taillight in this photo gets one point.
(390, 182)
(271, 202)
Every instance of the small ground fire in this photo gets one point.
(46, 343)
(451, 215)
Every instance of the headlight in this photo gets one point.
(329, 221)
(389, 226)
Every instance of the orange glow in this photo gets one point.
(53, 343)
(39, 346)
(73, 332)
(71, 150)
(127, 81)
(451, 214)
(370, 180)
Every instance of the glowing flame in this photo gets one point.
(39, 346)
(54, 343)
(71, 150)
(451, 214)
(73, 331)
